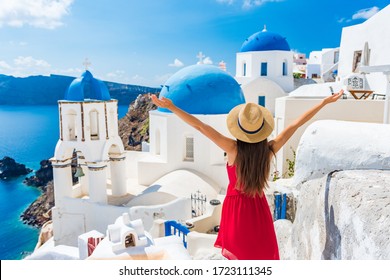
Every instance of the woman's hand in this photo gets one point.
(333, 98)
(163, 102)
(286, 134)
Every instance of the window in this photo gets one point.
(189, 148)
(94, 124)
(262, 101)
(129, 241)
(72, 126)
(244, 69)
(336, 57)
(113, 116)
(357, 57)
(263, 70)
(284, 68)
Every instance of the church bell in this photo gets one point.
(79, 172)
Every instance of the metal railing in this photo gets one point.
(198, 204)
(175, 228)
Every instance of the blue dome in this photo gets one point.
(203, 89)
(265, 41)
(87, 87)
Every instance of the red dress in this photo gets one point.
(246, 229)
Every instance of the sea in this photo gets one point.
(28, 134)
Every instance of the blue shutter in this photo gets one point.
(284, 69)
(263, 69)
(262, 101)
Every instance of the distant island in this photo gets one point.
(47, 90)
(9, 168)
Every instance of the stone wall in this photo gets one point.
(342, 189)
(343, 215)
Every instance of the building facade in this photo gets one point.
(264, 68)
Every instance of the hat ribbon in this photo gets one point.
(248, 131)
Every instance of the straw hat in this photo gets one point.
(250, 122)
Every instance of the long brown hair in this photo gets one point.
(253, 163)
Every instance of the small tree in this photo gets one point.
(291, 165)
(297, 75)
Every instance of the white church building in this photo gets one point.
(264, 68)
(88, 136)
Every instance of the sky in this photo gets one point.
(144, 42)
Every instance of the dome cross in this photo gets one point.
(87, 63)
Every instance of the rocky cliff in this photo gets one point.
(39, 211)
(9, 168)
(134, 126)
(42, 176)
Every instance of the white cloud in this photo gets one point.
(29, 61)
(247, 4)
(161, 79)
(24, 66)
(341, 20)
(176, 63)
(73, 72)
(116, 74)
(361, 14)
(137, 80)
(4, 65)
(229, 2)
(207, 60)
(365, 13)
(38, 13)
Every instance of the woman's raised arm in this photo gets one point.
(289, 131)
(225, 143)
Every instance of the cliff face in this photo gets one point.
(47, 90)
(42, 176)
(134, 126)
(38, 212)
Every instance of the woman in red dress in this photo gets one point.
(246, 229)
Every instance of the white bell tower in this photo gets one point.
(89, 143)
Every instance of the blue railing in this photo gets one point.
(175, 228)
(280, 206)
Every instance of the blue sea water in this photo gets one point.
(28, 134)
